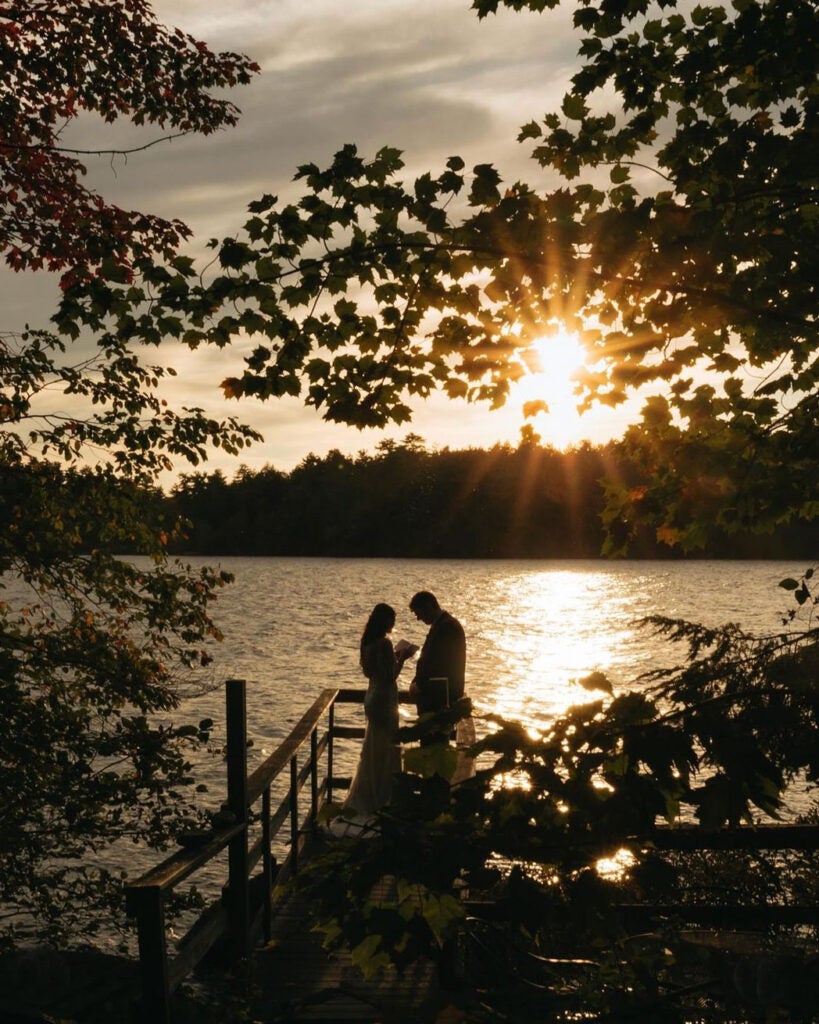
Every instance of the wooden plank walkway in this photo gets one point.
(296, 980)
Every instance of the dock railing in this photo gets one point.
(237, 918)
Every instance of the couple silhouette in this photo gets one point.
(438, 682)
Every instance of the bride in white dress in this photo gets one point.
(380, 753)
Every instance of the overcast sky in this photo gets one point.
(425, 76)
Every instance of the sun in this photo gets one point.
(546, 390)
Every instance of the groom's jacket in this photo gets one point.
(442, 656)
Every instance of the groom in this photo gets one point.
(443, 656)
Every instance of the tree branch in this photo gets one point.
(94, 152)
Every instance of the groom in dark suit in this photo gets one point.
(443, 656)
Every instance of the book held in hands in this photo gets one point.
(404, 649)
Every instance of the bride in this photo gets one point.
(380, 753)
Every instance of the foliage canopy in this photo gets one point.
(94, 651)
(116, 60)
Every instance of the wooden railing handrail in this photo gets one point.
(282, 755)
(740, 837)
(695, 837)
(348, 695)
(180, 865)
(677, 837)
(232, 917)
(183, 863)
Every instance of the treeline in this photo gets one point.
(528, 501)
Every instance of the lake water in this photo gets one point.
(292, 625)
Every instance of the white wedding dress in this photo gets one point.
(380, 753)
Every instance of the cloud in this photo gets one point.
(427, 77)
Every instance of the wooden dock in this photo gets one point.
(258, 921)
(296, 980)
(259, 926)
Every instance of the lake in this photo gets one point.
(292, 625)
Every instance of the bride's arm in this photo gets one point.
(387, 663)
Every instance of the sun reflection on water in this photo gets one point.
(616, 867)
(569, 629)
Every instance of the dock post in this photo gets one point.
(330, 727)
(238, 883)
(294, 814)
(313, 774)
(146, 903)
(267, 868)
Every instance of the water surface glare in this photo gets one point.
(292, 625)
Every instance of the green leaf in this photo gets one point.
(262, 205)
(531, 130)
(443, 914)
(434, 759)
(484, 190)
(597, 681)
(367, 958)
(574, 107)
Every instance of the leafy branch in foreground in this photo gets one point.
(113, 58)
(694, 285)
(95, 652)
(106, 407)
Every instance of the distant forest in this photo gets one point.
(528, 501)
